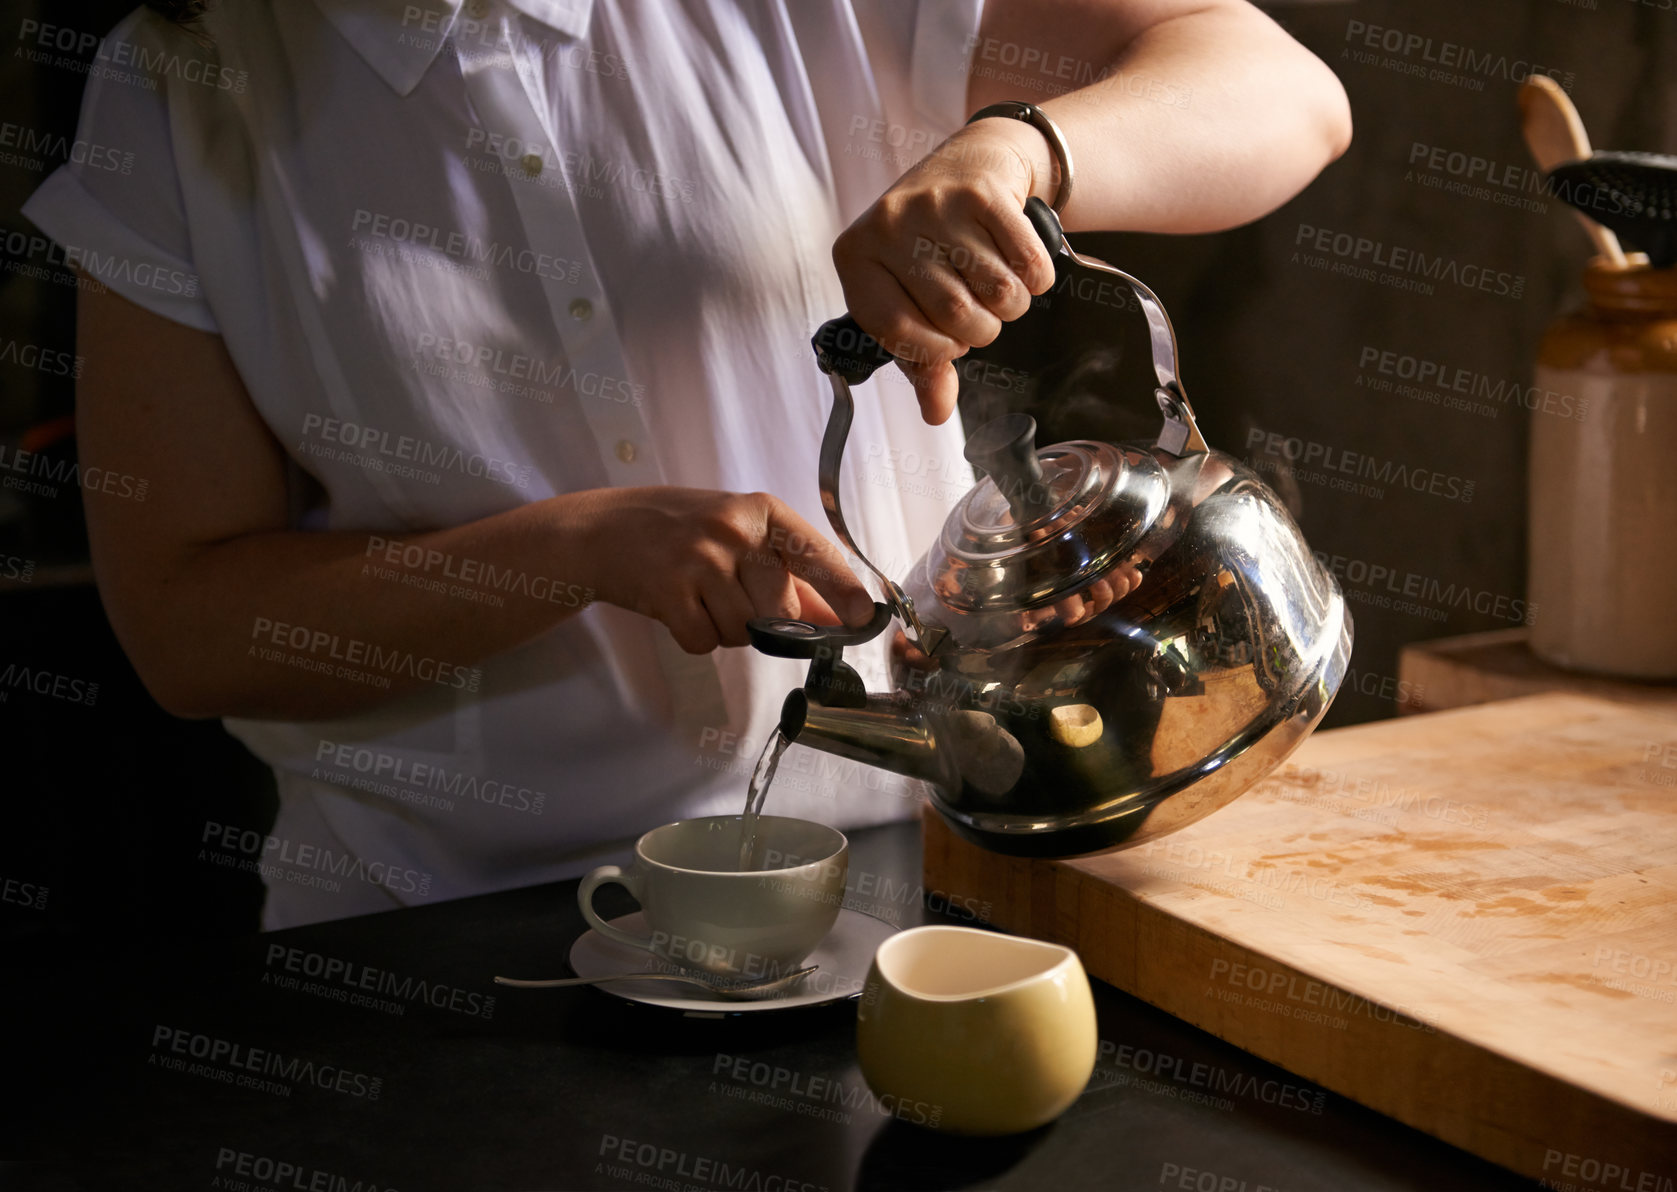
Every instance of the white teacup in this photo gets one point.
(705, 914)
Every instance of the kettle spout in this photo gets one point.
(886, 731)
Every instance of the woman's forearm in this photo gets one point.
(286, 625)
(1199, 123)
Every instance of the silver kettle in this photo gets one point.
(1107, 642)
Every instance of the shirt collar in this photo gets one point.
(400, 39)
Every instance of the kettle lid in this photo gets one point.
(1042, 522)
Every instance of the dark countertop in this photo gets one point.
(574, 1089)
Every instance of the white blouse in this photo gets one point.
(470, 257)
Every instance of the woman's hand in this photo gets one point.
(946, 256)
(704, 563)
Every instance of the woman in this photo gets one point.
(464, 349)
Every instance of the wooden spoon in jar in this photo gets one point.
(1556, 135)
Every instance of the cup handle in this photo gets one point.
(585, 899)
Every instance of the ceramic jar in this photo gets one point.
(1603, 478)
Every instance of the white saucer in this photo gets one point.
(843, 959)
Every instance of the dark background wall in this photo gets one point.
(100, 799)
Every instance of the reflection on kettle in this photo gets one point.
(1107, 642)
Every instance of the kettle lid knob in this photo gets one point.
(1004, 449)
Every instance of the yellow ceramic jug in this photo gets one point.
(994, 1032)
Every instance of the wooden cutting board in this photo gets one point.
(1466, 920)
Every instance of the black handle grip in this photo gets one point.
(1046, 223)
(842, 347)
(781, 637)
(1005, 450)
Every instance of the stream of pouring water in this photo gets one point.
(761, 778)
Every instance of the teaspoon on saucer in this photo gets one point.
(731, 990)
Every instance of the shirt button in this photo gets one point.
(478, 8)
(626, 451)
(581, 309)
(532, 163)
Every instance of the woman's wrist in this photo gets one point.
(568, 531)
(1035, 168)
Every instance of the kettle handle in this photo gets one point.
(843, 349)
(1180, 434)
(831, 465)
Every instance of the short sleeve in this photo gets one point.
(116, 207)
(945, 32)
